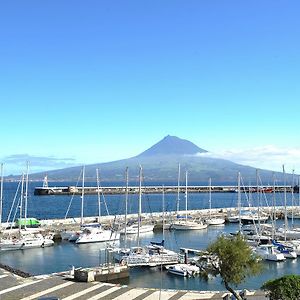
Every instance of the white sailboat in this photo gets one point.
(150, 255)
(94, 233)
(213, 220)
(25, 239)
(285, 232)
(138, 228)
(186, 223)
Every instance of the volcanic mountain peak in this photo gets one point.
(172, 145)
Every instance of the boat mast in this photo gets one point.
(274, 208)
(209, 184)
(26, 195)
(186, 195)
(299, 190)
(99, 196)
(82, 195)
(178, 189)
(163, 209)
(239, 201)
(285, 209)
(21, 202)
(292, 194)
(1, 195)
(126, 203)
(258, 191)
(140, 206)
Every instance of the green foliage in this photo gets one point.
(236, 260)
(283, 288)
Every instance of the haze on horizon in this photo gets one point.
(101, 81)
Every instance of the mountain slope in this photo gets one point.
(160, 164)
(170, 145)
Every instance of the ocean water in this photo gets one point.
(64, 255)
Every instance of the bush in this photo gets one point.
(283, 288)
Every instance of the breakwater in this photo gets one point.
(119, 190)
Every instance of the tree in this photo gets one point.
(283, 288)
(233, 261)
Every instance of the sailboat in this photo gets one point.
(186, 223)
(138, 228)
(213, 220)
(24, 239)
(149, 255)
(94, 233)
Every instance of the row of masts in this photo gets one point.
(23, 195)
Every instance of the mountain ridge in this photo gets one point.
(160, 164)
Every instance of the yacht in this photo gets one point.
(189, 225)
(215, 221)
(96, 234)
(269, 252)
(185, 270)
(186, 222)
(233, 218)
(288, 252)
(212, 220)
(134, 229)
(150, 255)
(26, 242)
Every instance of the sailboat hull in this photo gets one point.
(97, 235)
(188, 226)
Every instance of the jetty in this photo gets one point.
(158, 189)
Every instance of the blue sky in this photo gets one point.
(94, 81)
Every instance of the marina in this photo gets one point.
(66, 256)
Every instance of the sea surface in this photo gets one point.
(64, 255)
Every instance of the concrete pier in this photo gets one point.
(117, 190)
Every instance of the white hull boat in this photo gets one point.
(215, 221)
(183, 270)
(288, 252)
(269, 252)
(26, 243)
(233, 219)
(96, 235)
(133, 229)
(188, 225)
(253, 218)
(150, 256)
(289, 233)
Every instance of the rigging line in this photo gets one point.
(147, 197)
(248, 200)
(67, 212)
(102, 194)
(104, 201)
(245, 192)
(19, 204)
(14, 200)
(263, 192)
(122, 208)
